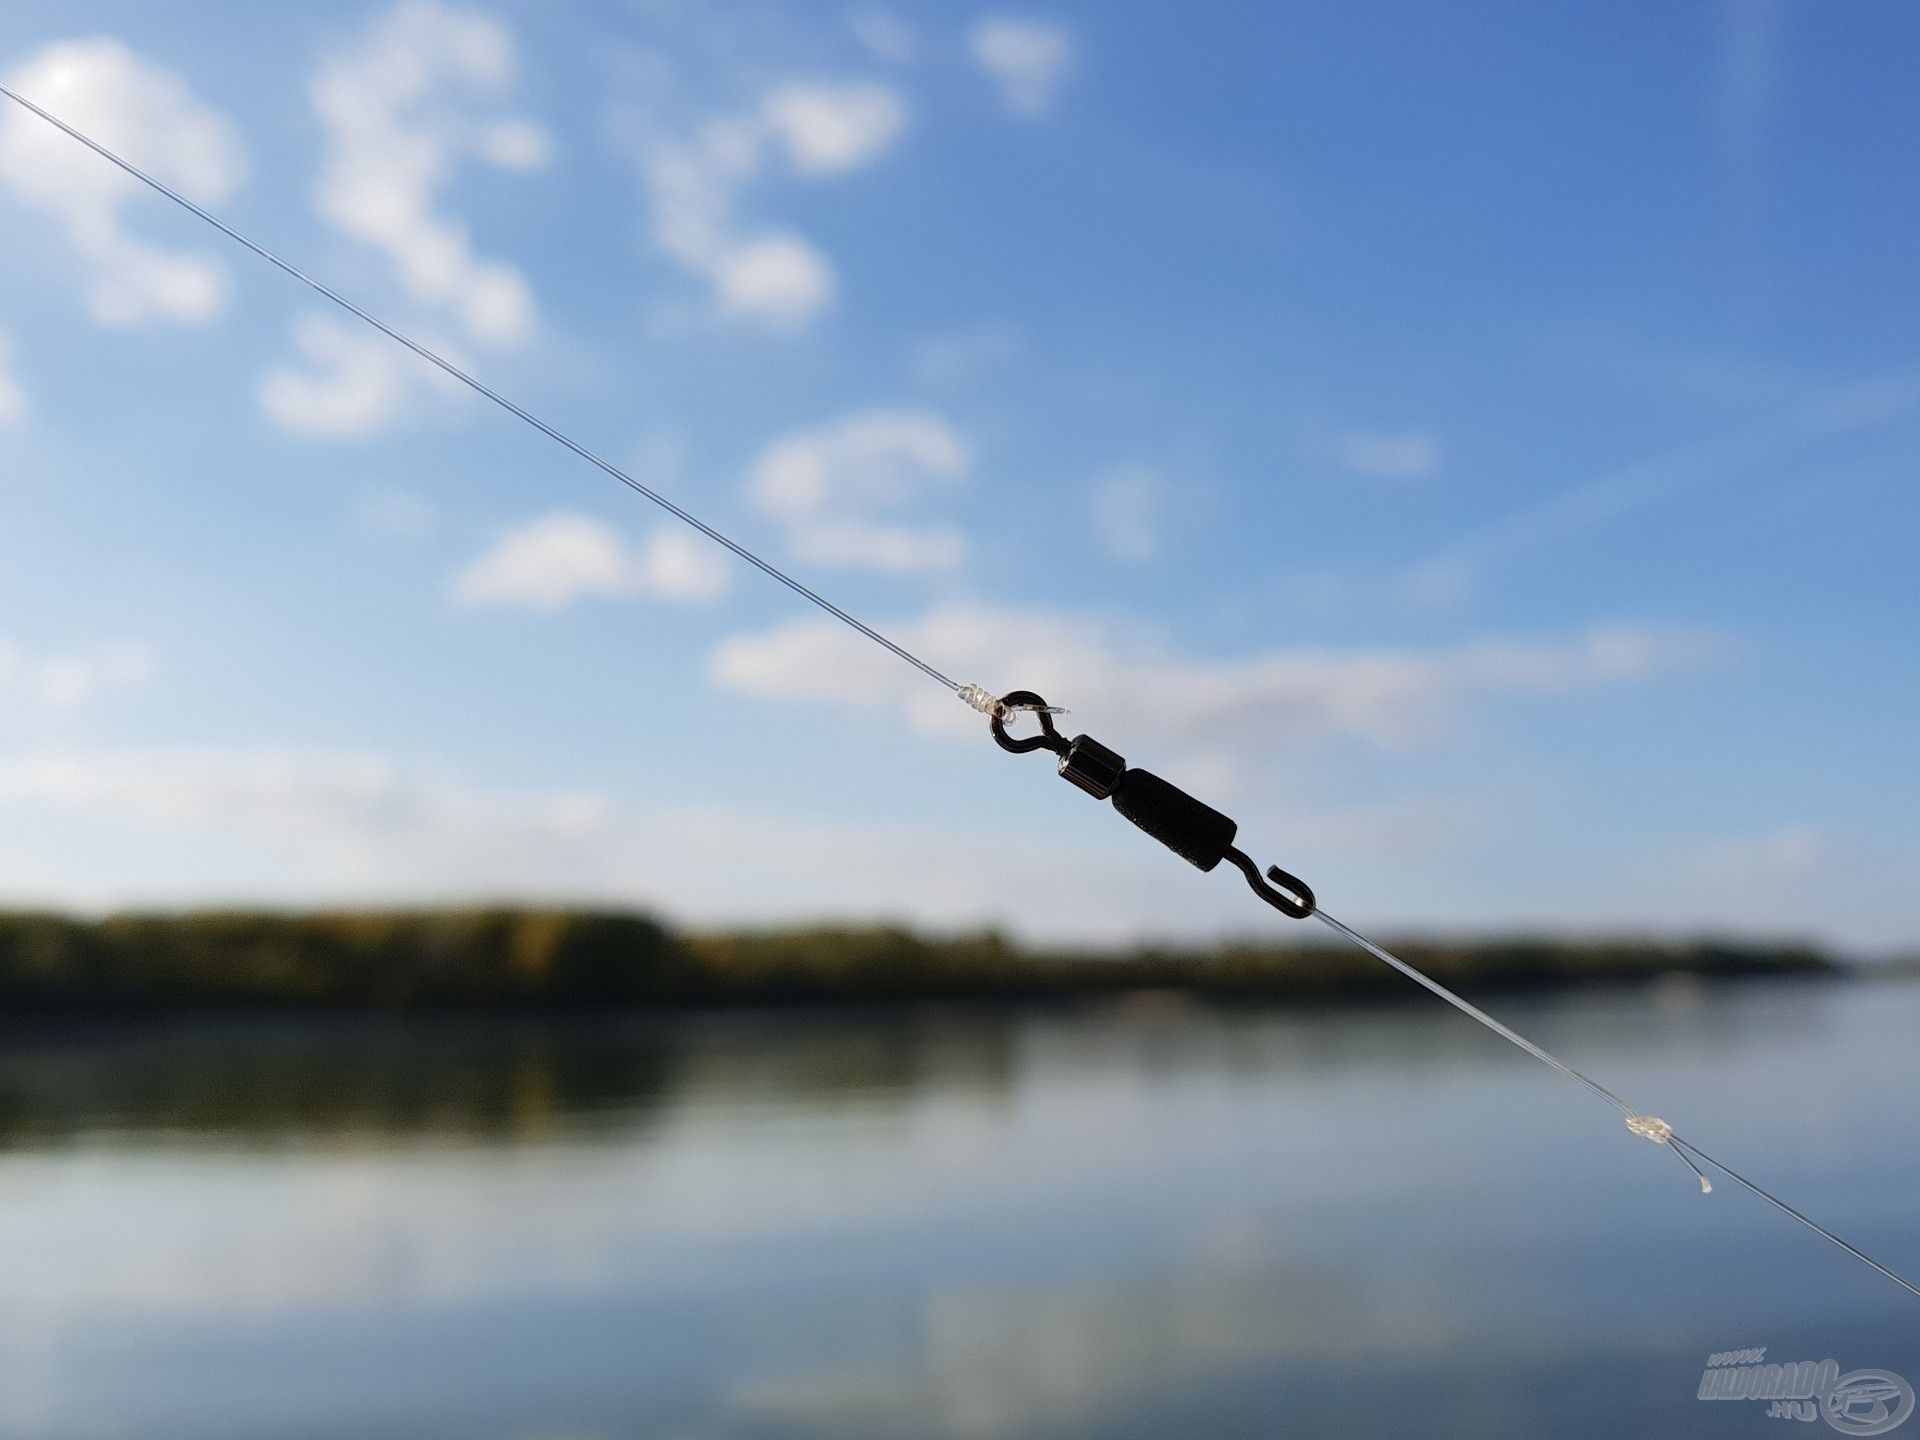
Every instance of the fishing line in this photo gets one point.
(1651, 1127)
(1190, 828)
(1204, 837)
(434, 358)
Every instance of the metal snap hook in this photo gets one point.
(1300, 904)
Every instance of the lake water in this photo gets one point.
(1138, 1221)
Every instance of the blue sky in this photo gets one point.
(1474, 445)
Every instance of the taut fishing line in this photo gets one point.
(1190, 828)
(474, 384)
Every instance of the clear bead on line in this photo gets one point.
(985, 701)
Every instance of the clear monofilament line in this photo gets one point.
(1689, 1150)
(1640, 1123)
(1467, 1007)
(433, 358)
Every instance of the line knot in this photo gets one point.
(1650, 1127)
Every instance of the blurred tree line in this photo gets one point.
(502, 958)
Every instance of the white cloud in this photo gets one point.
(780, 280)
(1209, 709)
(293, 823)
(516, 145)
(836, 487)
(1028, 59)
(302, 826)
(354, 381)
(402, 112)
(64, 680)
(764, 274)
(549, 564)
(872, 458)
(830, 129)
(150, 116)
(13, 399)
(372, 829)
(774, 278)
(1382, 456)
(287, 826)
(677, 564)
(1125, 509)
(561, 559)
(888, 549)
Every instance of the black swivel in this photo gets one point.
(1191, 828)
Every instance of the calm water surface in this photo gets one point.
(1142, 1221)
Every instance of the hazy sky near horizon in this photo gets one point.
(1473, 445)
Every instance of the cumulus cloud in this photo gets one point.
(148, 115)
(783, 280)
(1203, 708)
(13, 399)
(64, 680)
(830, 129)
(767, 275)
(838, 486)
(880, 547)
(352, 381)
(1125, 509)
(402, 112)
(680, 565)
(1390, 456)
(556, 561)
(1028, 59)
(872, 458)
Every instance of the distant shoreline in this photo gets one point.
(541, 962)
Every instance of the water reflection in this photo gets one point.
(280, 1083)
(1144, 1219)
(504, 1082)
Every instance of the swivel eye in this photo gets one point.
(1049, 737)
